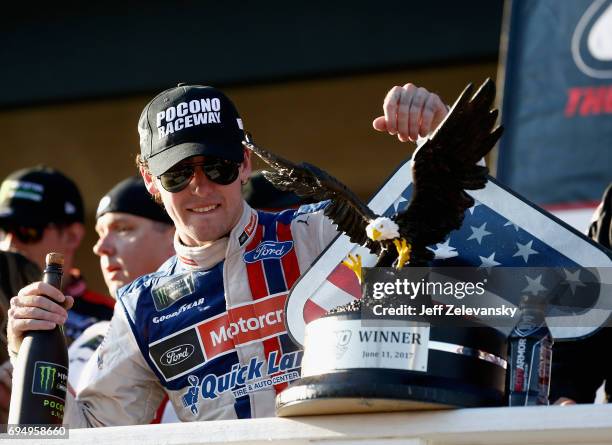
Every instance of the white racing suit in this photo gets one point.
(207, 328)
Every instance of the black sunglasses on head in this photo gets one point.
(219, 171)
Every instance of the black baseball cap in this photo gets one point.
(131, 196)
(37, 197)
(189, 120)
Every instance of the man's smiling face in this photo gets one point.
(204, 211)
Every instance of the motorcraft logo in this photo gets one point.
(50, 379)
(244, 324)
(177, 355)
(268, 250)
(592, 41)
(242, 380)
(247, 323)
(173, 290)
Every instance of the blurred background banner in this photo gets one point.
(557, 104)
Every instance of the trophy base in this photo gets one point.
(333, 398)
(352, 365)
(369, 390)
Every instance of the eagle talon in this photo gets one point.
(403, 252)
(353, 262)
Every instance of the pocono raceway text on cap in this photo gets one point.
(189, 114)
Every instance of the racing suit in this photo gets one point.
(207, 328)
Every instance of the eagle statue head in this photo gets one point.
(382, 228)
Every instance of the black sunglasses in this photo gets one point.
(219, 171)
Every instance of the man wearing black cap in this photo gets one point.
(41, 211)
(208, 327)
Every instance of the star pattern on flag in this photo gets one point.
(524, 250)
(478, 233)
(509, 256)
(573, 280)
(510, 246)
(444, 250)
(400, 204)
(534, 285)
(488, 262)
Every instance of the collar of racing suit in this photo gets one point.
(207, 256)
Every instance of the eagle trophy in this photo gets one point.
(443, 168)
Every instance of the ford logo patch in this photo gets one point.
(177, 355)
(268, 250)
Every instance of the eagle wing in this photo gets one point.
(345, 209)
(446, 165)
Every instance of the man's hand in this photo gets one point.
(31, 310)
(410, 112)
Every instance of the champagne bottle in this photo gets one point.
(40, 376)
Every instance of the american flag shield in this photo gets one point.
(501, 230)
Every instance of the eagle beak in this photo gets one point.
(375, 235)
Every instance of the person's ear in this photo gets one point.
(149, 181)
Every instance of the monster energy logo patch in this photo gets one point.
(47, 377)
(50, 380)
(172, 291)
